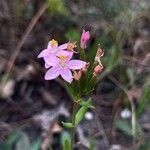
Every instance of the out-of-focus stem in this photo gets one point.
(75, 106)
(82, 54)
(133, 121)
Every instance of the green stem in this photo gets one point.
(82, 54)
(75, 106)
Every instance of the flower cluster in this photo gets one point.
(58, 60)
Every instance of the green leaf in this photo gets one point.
(36, 145)
(23, 143)
(66, 145)
(13, 137)
(81, 112)
(145, 98)
(124, 126)
(65, 141)
(67, 124)
(80, 115)
(4, 146)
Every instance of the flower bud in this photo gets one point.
(84, 39)
(97, 70)
(77, 75)
(84, 69)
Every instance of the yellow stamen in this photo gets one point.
(62, 57)
(54, 43)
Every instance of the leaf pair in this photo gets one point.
(85, 105)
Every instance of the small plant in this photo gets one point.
(80, 76)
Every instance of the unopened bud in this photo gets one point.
(97, 70)
(77, 75)
(84, 39)
(84, 69)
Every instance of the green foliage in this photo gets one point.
(125, 126)
(19, 7)
(145, 98)
(12, 138)
(20, 141)
(57, 6)
(73, 35)
(66, 145)
(81, 112)
(35, 145)
(67, 124)
(80, 115)
(65, 141)
(146, 144)
(87, 104)
(23, 143)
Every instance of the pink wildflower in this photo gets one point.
(51, 51)
(63, 66)
(84, 39)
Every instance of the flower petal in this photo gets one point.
(67, 54)
(52, 44)
(52, 73)
(49, 45)
(66, 74)
(76, 64)
(63, 46)
(44, 53)
(51, 60)
(47, 66)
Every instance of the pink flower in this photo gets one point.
(63, 66)
(51, 51)
(84, 39)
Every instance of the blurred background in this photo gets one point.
(31, 108)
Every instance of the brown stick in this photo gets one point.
(24, 37)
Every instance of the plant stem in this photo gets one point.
(75, 106)
(133, 120)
